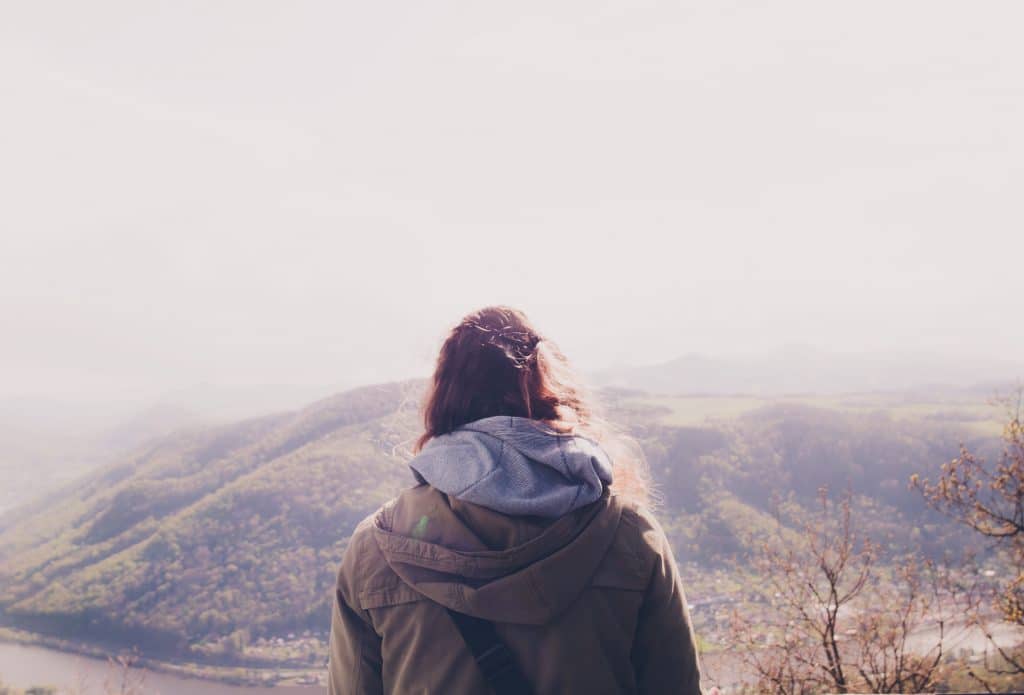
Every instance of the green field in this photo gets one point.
(959, 410)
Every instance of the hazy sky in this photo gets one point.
(306, 193)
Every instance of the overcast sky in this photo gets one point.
(310, 193)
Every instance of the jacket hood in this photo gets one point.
(502, 568)
(515, 465)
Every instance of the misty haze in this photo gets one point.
(781, 245)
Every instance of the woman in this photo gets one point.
(525, 560)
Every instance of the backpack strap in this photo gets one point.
(495, 660)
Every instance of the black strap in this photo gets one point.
(496, 662)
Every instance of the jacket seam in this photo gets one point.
(385, 599)
(631, 517)
(361, 638)
(537, 589)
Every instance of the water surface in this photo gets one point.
(23, 666)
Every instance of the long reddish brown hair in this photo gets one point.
(494, 362)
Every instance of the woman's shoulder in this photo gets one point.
(639, 544)
(363, 564)
(380, 518)
(639, 522)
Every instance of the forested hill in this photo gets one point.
(208, 540)
(200, 532)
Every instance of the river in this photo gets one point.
(22, 666)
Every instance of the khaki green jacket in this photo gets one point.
(588, 603)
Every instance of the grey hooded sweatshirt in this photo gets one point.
(516, 466)
(515, 524)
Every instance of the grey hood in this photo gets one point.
(516, 466)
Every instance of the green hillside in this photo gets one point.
(222, 544)
(205, 532)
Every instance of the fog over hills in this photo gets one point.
(202, 542)
(44, 448)
(45, 442)
(232, 244)
(802, 369)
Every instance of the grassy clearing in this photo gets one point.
(962, 411)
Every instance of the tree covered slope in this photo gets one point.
(204, 532)
(222, 536)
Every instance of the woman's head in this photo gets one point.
(495, 362)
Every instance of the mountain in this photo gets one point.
(39, 452)
(203, 530)
(209, 542)
(802, 369)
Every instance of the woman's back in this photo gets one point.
(588, 601)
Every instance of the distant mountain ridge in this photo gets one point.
(801, 369)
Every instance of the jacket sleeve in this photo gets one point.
(664, 651)
(354, 662)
